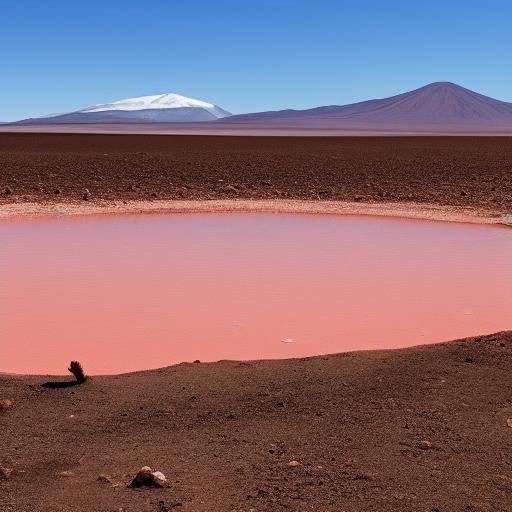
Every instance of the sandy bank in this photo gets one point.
(398, 210)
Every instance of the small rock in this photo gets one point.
(65, 474)
(8, 191)
(56, 191)
(509, 422)
(146, 477)
(163, 507)
(358, 198)
(5, 473)
(6, 404)
(86, 195)
(104, 479)
(231, 188)
(293, 463)
(363, 476)
(425, 445)
(468, 360)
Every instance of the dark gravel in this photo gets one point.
(465, 171)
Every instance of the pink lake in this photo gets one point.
(124, 293)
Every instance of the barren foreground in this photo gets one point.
(422, 429)
(446, 171)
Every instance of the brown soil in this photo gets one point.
(421, 429)
(451, 171)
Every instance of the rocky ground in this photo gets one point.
(451, 171)
(421, 429)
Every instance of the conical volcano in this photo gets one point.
(437, 107)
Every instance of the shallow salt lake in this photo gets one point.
(123, 293)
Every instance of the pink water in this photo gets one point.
(136, 292)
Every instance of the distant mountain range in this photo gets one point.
(160, 108)
(440, 107)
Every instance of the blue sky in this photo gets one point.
(57, 56)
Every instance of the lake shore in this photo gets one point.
(433, 212)
(416, 429)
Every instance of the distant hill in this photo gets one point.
(161, 108)
(438, 107)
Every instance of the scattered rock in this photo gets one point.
(363, 476)
(163, 507)
(509, 422)
(56, 191)
(425, 445)
(146, 477)
(6, 404)
(86, 195)
(358, 198)
(8, 191)
(65, 474)
(230, 188)
(5, 473)
(293, 463)
(468, 360)
(104, 479)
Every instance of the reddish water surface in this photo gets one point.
(136, 292)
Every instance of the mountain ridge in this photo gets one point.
(439, 107)
(439, 103)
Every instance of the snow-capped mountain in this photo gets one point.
(162, 108)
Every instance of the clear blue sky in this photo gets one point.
(57, 56)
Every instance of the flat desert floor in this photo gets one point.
(473, 172)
